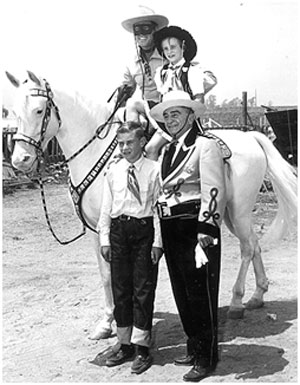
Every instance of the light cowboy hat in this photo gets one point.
(145, 14)
(176, 99)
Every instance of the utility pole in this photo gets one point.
(244, 103)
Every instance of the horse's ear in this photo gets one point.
(34, 78)
(15, 82)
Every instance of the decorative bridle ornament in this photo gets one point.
(78, 191)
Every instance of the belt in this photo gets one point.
(183, 210)
(126, 218)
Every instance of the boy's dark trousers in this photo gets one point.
(134, 277)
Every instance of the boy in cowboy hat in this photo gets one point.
(180, 73)
(139, 74)
(191, 209)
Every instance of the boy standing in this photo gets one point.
(131, 241)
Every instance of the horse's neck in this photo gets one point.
(80, 119)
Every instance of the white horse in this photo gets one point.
(253, 155)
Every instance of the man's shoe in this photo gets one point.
(188, 360)
(124, 354)
(198, 372)
(141, 364)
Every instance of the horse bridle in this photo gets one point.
(37, 144)
(76, 191)
(47, 93)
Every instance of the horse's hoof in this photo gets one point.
(254, 303)
(235, 312)
(101, 333)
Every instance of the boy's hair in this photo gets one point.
(129, 127)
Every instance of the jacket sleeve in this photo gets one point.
(209, 81)
(201, 81)
(213, 188)
(129, 79)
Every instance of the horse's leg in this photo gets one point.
(104, 328)
(262, 283)
(250, 251)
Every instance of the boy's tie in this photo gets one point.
(132, 183)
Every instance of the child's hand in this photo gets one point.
(106, 253)
(156, 254)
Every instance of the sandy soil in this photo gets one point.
(52, 298)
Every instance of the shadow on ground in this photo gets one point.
(245, 360)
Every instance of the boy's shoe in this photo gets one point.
(125, 353)
(141, 364)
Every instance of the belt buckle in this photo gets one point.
(164, 210)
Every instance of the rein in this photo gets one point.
(76, 192)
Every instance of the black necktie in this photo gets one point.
(167, 160)
(174, 68)
(132, 184)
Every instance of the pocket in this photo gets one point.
(146, 191)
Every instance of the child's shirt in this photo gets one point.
(168, 78)
(118, 200)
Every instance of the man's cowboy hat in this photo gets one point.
(145, 14)
(176, 99)
(190, 46)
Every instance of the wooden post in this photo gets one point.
(244, 109)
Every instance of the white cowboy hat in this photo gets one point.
(145, 14)
(176, 99)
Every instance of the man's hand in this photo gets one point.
(205, 240)
(156, 254)
(106, 253)
(124, 92)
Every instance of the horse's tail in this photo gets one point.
(284, 180)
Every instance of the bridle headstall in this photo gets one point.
(78, 191)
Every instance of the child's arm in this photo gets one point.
(104, 222)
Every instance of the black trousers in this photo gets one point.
(134, 277)
(195, 290)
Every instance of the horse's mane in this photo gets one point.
(93, 109)
(87, 109)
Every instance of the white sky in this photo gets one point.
(250, 45)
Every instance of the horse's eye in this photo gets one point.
(39, 112)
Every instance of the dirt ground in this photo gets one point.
(52, 299)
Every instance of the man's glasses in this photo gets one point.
(143, 29)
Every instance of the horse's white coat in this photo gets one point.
(252, 156)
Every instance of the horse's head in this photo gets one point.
(38, 120)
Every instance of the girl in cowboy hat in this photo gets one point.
(139, 74)
(180, 73)
(179, 48)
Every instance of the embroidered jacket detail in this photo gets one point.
(212, 207)
(175, 189)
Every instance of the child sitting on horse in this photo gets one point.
(179, 48)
